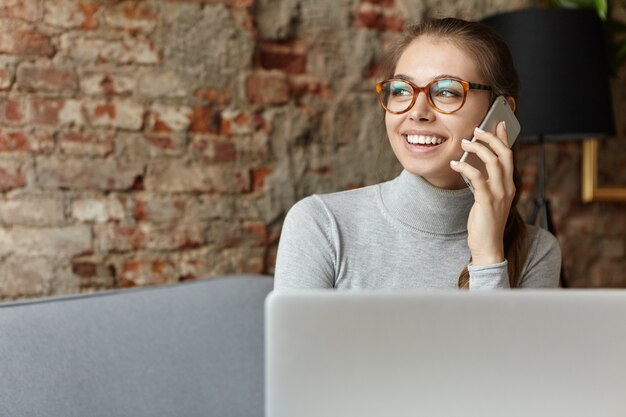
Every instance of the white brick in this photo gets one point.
(98, 210)
(54, 242)
(32, 210)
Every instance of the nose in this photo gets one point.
(421, 110)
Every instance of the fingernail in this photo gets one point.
(504, 124)
(466, 141)
(478, 129)
(454, 163)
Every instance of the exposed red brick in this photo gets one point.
(88, 10)
(46, 78)
(267, 87)
(241, 119)
(224, 151)
(302, 85)
(130, 267)
(131, 234)
(126, 283)
(204, 120)
(108, 86)
(11, 177)
(322, 170)
(20, 9)
(384, 3)
(240, 3)
(140, 211)
(46, 111)
(163, 118)
(352, 186)
(103, 109)
(258, 177)
(158, 125)
(134, 17)
(40, 141)
(226, 128)
(219, 150)
(13, 141)
(92, 143)
(139, 13)
(187, 277)
(146, 272)
(255, 231)
(115, 113)
(158, 266)
(84, 269)
(288, 56)
(14, 110)
(260, 123)
(214, 95)
(380, 21)
(161, 142)
(27, 42)
(137, 184)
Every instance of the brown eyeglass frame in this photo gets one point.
(426, 90)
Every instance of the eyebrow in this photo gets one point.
(438, 77)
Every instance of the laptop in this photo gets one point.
(528, 353)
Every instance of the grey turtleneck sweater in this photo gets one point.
(403, 233)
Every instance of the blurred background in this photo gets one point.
(152, 142)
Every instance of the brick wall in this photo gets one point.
(150, 142)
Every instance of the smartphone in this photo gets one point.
(499, 112)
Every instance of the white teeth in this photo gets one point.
(423, 140)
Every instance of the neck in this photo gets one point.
(416, 203)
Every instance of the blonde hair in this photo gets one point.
(495, 65)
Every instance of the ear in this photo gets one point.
(512, 103)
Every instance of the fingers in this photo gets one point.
(499, 145)
(492, 163)
(498, 159)
(472, 174)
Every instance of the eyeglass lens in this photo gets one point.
(446, 95)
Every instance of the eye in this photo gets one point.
(446, 93)
(446, 89)
(398, 89)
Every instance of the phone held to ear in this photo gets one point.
(499, 112)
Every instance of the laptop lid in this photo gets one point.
(539, 353)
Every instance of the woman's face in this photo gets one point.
(422, 61)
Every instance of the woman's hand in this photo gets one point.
(492, 196)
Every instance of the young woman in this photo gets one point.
(425, 228)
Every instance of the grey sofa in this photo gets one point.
(191, 349)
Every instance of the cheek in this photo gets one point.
(392, 122)
(463, 127)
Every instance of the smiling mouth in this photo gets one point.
(423, 140)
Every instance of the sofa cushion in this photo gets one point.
(191, 349)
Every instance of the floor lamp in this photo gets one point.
(560, 55)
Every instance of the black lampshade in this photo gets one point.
(560, 55)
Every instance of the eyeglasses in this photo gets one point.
(445, 95)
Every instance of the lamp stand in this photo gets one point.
(541, 206)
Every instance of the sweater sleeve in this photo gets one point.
(542, 269)
(306, 252)
(543, 266)
(489, 276)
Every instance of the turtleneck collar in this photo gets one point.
(414, 202)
